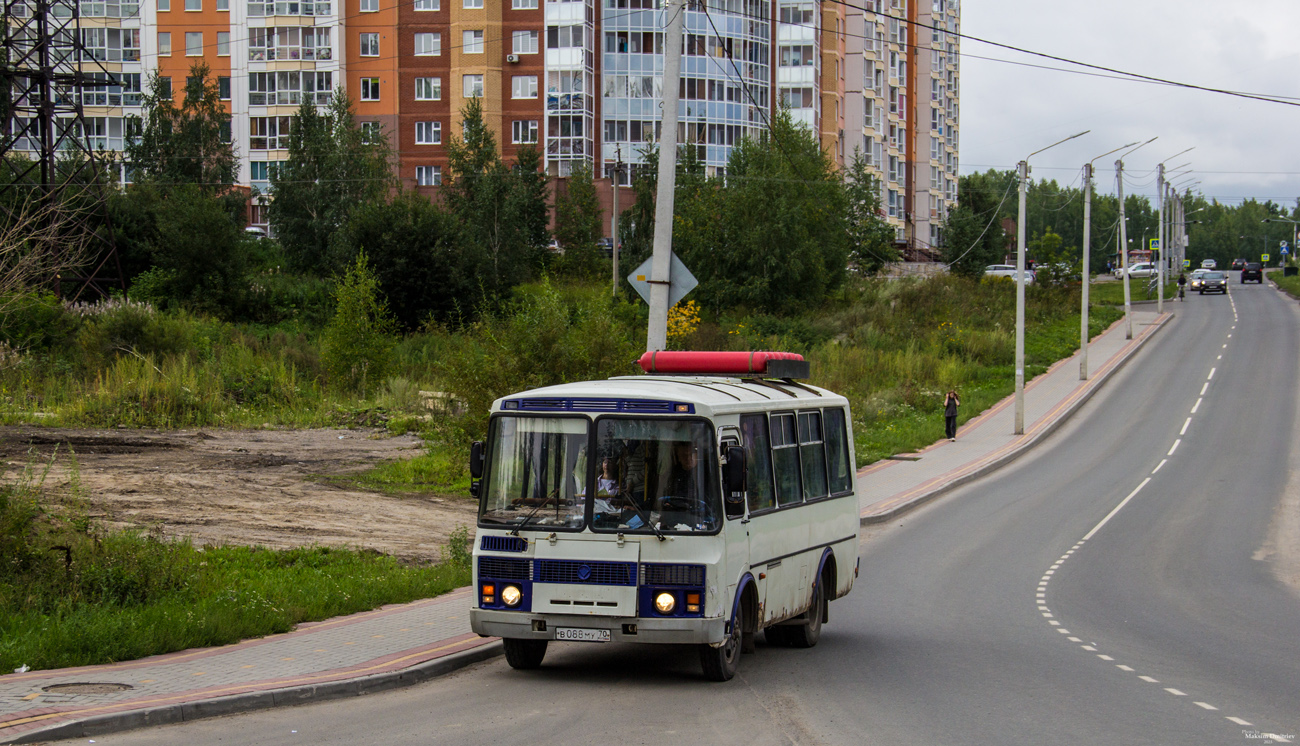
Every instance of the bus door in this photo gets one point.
(735, 534)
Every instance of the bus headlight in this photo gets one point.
(511, 595)
(665, 603)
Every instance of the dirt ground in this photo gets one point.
(263, 487)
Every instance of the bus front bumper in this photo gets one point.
(529, 626)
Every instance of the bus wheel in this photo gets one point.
(806, 635)
(719, 663)
(524, 654)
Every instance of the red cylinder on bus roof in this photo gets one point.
(724, 363)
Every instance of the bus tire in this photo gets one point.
(778, 636)
(720, 663)
(524, 655)
(806, 635)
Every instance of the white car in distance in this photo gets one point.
(1007, 270)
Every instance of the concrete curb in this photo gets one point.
(1093, 386)
(263, 700)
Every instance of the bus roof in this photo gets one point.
(703, 395)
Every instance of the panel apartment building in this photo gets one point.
(581, 80)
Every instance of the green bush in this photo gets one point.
(357, 344)
(37, 321)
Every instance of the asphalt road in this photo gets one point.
(980, 619)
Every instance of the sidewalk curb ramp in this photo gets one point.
(1028, 441)
(185, 712)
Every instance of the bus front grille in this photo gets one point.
(585, 573)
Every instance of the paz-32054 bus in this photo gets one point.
(702, 503)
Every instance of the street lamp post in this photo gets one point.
(1020, 284)
(1123, 238)
(1087, 259)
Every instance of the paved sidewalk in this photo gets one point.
(400, 645)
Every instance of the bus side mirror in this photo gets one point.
(476, 459)
(734, 481)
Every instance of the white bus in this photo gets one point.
(702, 503)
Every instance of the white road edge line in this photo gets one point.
(1112, 513)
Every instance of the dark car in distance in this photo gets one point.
(1238, 264)
(1214, 282)
(1252, 271)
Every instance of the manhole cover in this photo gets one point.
(86, 688)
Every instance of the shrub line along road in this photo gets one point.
(404, 644)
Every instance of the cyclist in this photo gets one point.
(1182, 286)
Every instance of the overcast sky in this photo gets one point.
(1243, 148)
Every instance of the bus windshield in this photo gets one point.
(648, 475)
(538, 472)
(655, 472)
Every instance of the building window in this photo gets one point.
(223, 87)
(525, 42)
(428, 133)
(369, 6)
(290, 88)
(268, 133)
(193, 5)
(193, 43)
(370, 89)
(428, 44)
(797, 56)
(371, 132)
(428, 5)
(472, 42)
(165, 43)
(164, 5)
(523, 4)
(473, 4)
(523, 131)
(289, 43)
(523, 86)
(473, 86)
(428, 175)
(223, 43)
(369, 45)
(564, 37)
(797, 98)
(428, 89)
(165, 88)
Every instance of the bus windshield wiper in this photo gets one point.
(645, 519)
(532, 513)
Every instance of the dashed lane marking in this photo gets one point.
(1197, 405)
(1163, 461)
(1238, 721)
(1174, 447)
(1175, 692)
(1149, 680)
(1188, 423)
(1205, 706)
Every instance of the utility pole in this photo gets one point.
(1160, 211)
(1087, 271)
(618, 176)
(1023, 169)
(661, 259)
(1123, 252)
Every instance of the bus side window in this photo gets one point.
(837, 452)
(785, 459)
(812, 454)
(753, 428)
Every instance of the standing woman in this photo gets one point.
(950, 404)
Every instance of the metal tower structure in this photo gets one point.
(48, 166)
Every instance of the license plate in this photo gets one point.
(573, 634)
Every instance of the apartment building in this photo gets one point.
(902, 111)
(582, 80)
